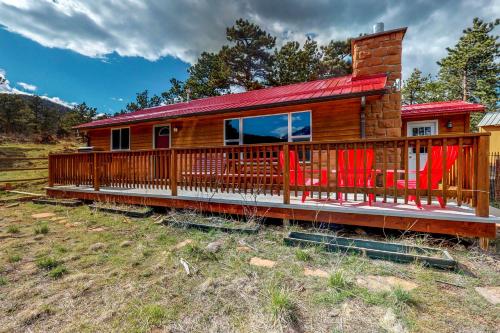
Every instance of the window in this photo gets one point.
(287, 127)
(120, 139)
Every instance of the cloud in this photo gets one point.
(5, 88)
(27, 86)
(183, 29)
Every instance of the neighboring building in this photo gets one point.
(491, 124)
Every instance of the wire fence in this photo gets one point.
(494, 162)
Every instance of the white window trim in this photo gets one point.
(421, 122)
(129, 138)
(289, 114)
(169, 137)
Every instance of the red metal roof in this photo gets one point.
(439, 108)
(306, 92)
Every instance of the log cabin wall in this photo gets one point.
(333, 120)
(460, 123)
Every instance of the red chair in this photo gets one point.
(436, 172)
(296, 173)
(346, 175)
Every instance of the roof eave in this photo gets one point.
(246, 108)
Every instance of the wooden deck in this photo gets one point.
(268, 181)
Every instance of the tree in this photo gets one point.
(415, 88)
(249, 59)
(293, 64)
(176, 93)
(336, 59)
(208, 77)
(80, 114)
(15, 115)
(470, 71)
(142, 101)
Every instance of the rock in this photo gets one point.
(98, 229)
(360, 231)
(315, 272)
(384, 283)
(58, 218)
(491, 294)
(182, 244)
(38, 237)
(206, 285)
(243, 249)
(97, 246)
(14, 204)
(256, 261)
(215, 246)
(126, 243)
(42, 215)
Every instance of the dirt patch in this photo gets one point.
(491, 294)
(384, 283)
(182, 244)
(42, 215)
(315, 272)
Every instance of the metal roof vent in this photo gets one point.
(378, 27)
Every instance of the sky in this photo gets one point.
(103, 52)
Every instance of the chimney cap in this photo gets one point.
(378, 27)
(403, 30)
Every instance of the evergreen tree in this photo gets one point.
(249, 58)
(176, 93)
(415, 88)
(143, 101)
(337, 60)
(208, 77)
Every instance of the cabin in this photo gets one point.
(337, 150)
(490, 123)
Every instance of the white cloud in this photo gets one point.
(27, 86)
(5, 88)
(182, 29)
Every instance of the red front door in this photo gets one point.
(162, 136)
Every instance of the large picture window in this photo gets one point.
(120, 139)
(286, 127)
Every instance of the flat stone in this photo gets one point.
(315, 272)
(98, 229)
(215, 246)
(58, 218)
(69, 225)
(97, 246)
(42, 215)
(491, 294)
(182, 244)
(38, 237)
(243, 249)
(384, 283)
(125, 243)
(256, 261)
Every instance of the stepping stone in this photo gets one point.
(243, 249)
(98, 229)
(42, 215)
(315, 272)
(125, 243)
(97, 246)
(262, 262)
(384, 283)
(182, 244)
(491, 294)
(215, 246)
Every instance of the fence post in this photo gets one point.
(51, 172)
(286, 175)
(96, 172)
(173, 172)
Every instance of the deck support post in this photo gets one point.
(51, 171)
(286, 222)
(173, 172)
(483, 179)
(286, 175)
(96, 172)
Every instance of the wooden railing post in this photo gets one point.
(483, 181)
(286, 175)
(51, 171)
(173, 172)
(96, 172)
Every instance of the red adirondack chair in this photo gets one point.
(296, 173)
(346, 175)
(436, 172)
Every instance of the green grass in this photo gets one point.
(3, 281)
(281, 305)
(13, 229)
(14, 258)
(338, 280)
(57, 272)
(47, 263)
(42, 229)
(302, 255)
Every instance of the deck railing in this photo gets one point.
(291, 169)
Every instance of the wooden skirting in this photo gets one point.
(456, 226)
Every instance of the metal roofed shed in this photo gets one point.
(490, 119)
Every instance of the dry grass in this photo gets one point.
(103, 272)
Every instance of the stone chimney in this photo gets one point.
(380, 53)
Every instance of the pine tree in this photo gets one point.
(208, 77)
(336, 59)
(248, 59)
(415, 88)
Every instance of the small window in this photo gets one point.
(164, 131)
(120, 139)
(232, 131)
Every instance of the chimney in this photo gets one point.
(378, 53)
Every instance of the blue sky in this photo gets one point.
(103, 51)
(107, 84)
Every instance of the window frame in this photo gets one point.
(129, 138)
(289, 115)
